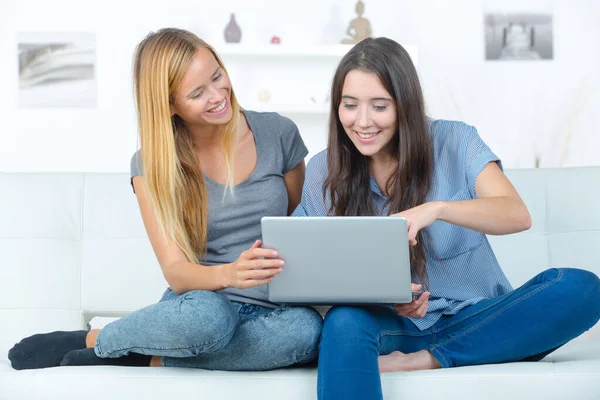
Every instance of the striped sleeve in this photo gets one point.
(312, 203)
(478, 155)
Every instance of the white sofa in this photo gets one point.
(73, 246)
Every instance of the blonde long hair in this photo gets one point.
(170, 167)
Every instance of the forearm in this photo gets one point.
(489, 215)
(184, 276)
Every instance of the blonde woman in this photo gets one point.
(207, 172)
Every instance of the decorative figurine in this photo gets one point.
(359, 27)
(233, 33)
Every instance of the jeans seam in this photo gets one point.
(403, 333)
(439, 356)
(458, 321)
(471, 329)
(129, 348)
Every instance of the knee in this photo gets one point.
(295, 333)
(587, 286)
(348, 324)
(207, 318)
(581, 283)
(306, 325)
(582, 287)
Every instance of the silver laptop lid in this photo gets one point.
(333, 260)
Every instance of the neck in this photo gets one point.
(381, 167)
(381, 162)
(205, 136)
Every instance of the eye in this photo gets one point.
(216, 78)
(380, 108)
(349, 106)
(196, 95)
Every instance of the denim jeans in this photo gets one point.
(523, 325)
(203, 329)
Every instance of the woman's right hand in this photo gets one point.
(249, 270)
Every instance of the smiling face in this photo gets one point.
(368, 114)
(203, 97)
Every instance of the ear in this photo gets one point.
(172, 109)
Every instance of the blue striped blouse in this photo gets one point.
(461, 266)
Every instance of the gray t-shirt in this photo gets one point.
(234, 221)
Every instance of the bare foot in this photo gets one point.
(156, 361)
(397, 361)
(90, 339)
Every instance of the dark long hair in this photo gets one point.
(348, 179)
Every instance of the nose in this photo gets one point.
(363, 118)
(214, 95)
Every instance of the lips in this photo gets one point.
(219, 108)
(366, 137)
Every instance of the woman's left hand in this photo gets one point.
(420, 217)
(416, 308)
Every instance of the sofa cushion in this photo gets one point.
(572, 372)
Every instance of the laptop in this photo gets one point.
(339, 260)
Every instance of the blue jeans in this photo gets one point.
(523, 325)
(203, 329)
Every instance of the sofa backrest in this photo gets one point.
(565, 231)
(73, 245)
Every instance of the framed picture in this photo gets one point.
(518, 36)
(57, 69)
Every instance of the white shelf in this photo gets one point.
(235, 50)
(281, 50)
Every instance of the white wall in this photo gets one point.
(520, 108)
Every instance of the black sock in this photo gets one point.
(89, 357)
(46, 349)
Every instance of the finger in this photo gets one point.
(422, 310)
(408, 306)
(248, 253)
(399, 308)
(404, 309)
(267, 263)
(259, 274)
(418, 302)
(416, 287)
(406, 313)
(412, 234)
(256, 245)
(265, 273)
(411, 309)
(267, 253)
(400, 311)
(423, 305)
(259, 263)
(256, 282)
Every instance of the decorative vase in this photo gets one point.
(233, 33)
